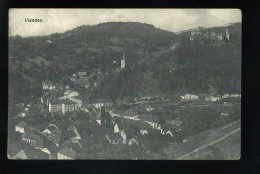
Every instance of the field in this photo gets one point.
(202, 145)
(228, 149)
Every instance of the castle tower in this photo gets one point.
(123, 61)
(227, 34)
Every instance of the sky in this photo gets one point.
(61, 20)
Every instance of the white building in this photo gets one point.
(212, 98)
(143, 132)
(225, 96)
(20, 127)
(189, 97)
(235, 95)
(63, 105)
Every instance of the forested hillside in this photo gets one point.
(158, 61)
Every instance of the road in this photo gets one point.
(209, 144)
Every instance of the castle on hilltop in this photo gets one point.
(200, 34)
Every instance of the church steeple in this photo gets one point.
(227, 34)
(123, 61)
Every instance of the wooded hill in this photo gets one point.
(157, 61)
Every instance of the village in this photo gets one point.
(65, 124)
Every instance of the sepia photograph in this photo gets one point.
(124, 84)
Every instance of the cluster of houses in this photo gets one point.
(200, 34)
(68, 100)
(77, 135)
(209, 98)
(85, 130)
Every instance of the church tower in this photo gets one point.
(227, 34)
(123, 62)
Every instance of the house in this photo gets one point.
(70, 93)
(48, 96)
(89, 144)
(168, 129)
(149, 109)
(33, 139)
(128, 135)
(68, 106)
(44, 97)
(31, 130)
(31, 153)
(82, 73)
(47, 84)
(51, 150)
(212, 98)
(77, 99)
(20, 127)
(71, 136)
(189, 97)
(114, 138)
(55, 136)
(29, 104)
(83, 130)
(235, 96)
(84, 99)
(55, 106)
(225, 96)
(62, 105)
(94, 112)
(196, 35)
(48, 41)
(46, 144)
(102, 102)
(14, 148)
(49, 129)
(22, 115)
(66, 153)
(219, 36)
(132, 141)
(176, 123)
(143, 131)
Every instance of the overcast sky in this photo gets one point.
(60, 20)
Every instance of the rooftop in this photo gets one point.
(86, 141)
(103, 100)
(176, 122)
(21, 124)
(33, 153)
(68, 152)
(31, 136)
(114, 136)
(62, 101)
